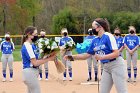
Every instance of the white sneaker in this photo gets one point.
(64, 78)
(40, 79)
(135, 79)
(4, 80)
(46, 79)
(129, 80)
(70, 79)
(11, 79)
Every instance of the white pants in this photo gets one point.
(7, 59)
(30, 78)
(114, 73)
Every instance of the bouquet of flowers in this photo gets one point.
(68, 46)
(48, 47)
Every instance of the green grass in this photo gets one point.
(17, 55)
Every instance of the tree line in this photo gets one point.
(76, 15)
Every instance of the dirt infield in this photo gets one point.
(55, 83)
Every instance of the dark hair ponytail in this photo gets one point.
(28, 31)
(104, 23)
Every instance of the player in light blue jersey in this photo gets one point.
(65, 38)
(119, 40)
(7, 47)
(30, 60)
(131, 43)
(91, 59)
(105, 49)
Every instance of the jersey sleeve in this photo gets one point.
(1, 46)
(137, 40)
(111, 41)
(30, 50)
(60, 43)
(13, 46)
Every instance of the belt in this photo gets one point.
(110, 60)
(32, 67)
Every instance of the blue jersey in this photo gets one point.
(119, 42)
(36, 50)
(7, 47)
(131, 41)
(103, 45)
(27, 52)
(63, 40)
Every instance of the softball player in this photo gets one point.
(7, 48)
(105, 49)
(119, 40)
(131, 42)
(42, 34)
(68, 64)
(29, 59)
(91, 59)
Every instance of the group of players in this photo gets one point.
(130, 42)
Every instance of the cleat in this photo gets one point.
(89, 79)
(4, 80)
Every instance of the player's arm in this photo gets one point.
(134, 49)
(126, 47)
(83, 56)
(121, 49)
(42, 61)
(112, 55)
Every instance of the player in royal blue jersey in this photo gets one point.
(65, 38)
(30, 60)
(7, 47)
(105, 49)
(91, 59)
(131, 43)
(119, 40)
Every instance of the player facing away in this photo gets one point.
(30, 62)
(7, 48)
(42, 38)
(119, 40)
(131, 43)
(91, 59)
(105, 49)
(65, 38)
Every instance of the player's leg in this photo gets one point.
(4, 66)
(40, 72)
(95, 65)
(128, 58)
(69, 64)
(46, 70)
(30, 78)
(64, 62)
(119, 75)
(10, 65)
(134, 62)
(106, 82)
(89, 62)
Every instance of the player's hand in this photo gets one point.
(65, 57)
(131, 52)
(98, 57)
